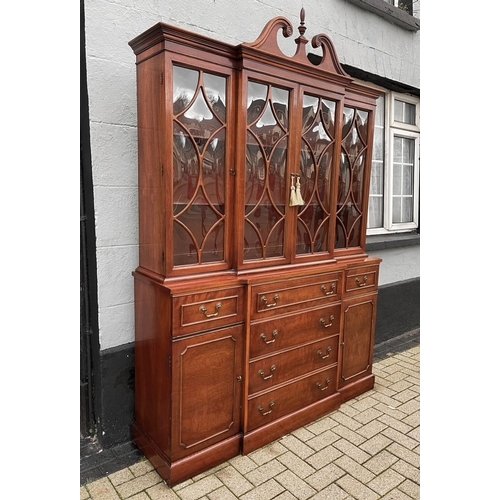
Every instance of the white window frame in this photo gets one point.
(393, 128)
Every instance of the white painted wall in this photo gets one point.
(361, 38)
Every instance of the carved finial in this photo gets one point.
(302, 28)
(301, 41)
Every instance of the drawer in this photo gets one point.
(296, 294)
(269, 406)
(292, 330)
(361, 280)
(203, 311)
(265, 373)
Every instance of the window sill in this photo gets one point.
(385, 241)
(389, 12)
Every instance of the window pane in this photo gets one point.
(403, 180)
(375, 212)
(404, 112)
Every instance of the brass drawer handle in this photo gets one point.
(261, 373)
(318, 384)
(365, 279)
(328, 350)
(322, 321)
(264, 338)
(203, 310)
(261, 409)
(323, 287)
(276, 297)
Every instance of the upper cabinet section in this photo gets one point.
(248, 158)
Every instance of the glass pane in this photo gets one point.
(407, 181)
(407, 209)
(213, 170)
(362, 125)
(377, 178)
(404, 112)
(358, 174)
(398, 111)
(185, 86)
(185, 169)
(280, 104)
(215, 88)
(380, 112)
(398, 149)
(375, 212)
(257, 96)
(396, 210)
(344, 178)
(348, 119)
(397, 181)
(276, 173)
(328, 117)
(408, 150)
(378, 144)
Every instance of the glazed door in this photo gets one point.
(291, 139)
(206, 387)
(359, 315)
(201, 152)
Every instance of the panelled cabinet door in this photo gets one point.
(206, 390)
(356, 356)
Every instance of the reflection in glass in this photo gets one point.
(185, 85)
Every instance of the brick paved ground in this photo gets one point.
(369, 449)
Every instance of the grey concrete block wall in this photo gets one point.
(362, 39)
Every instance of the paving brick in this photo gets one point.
(400, 438)
(369, 430)
(140, 496)
(381, 461)
(368, 415)
(265, 491)
(346, 421)
(356, 489)
(325, 476)
(326, 438)
(141, 468)
(396, 495)
(407, 470)
(388, 401)
(139, 483)
(351, 436)
(243, 464)
(121, 476)
(331, 492)
(347, 409)
(84, 494)
(386, 482)
(267, 453)
(296, 465)
(391, 410)
(415, 434)
(323, 457)
(364, 404)
(161, 492)
(222, 493)
(375, 444)
(352, 451)
(395, 423)
(236, 482)
(265, 472)
(297, 446)
(413, 420)
(355, 469)
(200, 488)
(286, 495)
(102, 489)
(303, 434)
(406, 395)
(400, 385)
(291, 482)
(325, 424)
(410, 488)
(404, 453)
(409, 407)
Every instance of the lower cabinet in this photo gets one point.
(221, 369)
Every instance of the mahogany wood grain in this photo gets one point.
(265, 373)
(287, 331)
